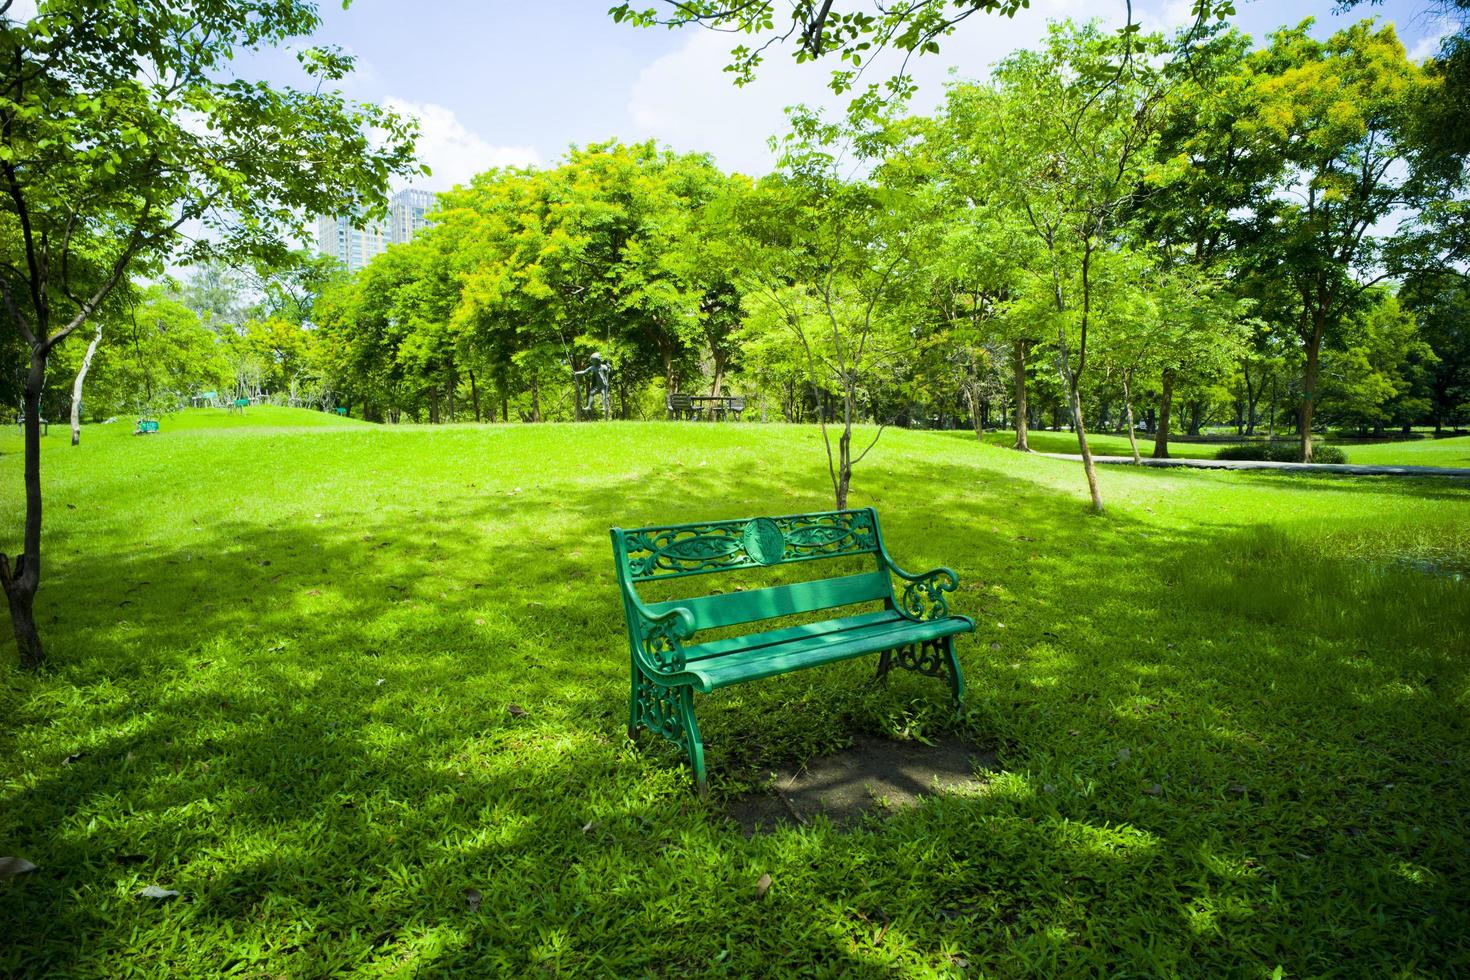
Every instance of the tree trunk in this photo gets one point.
(22, 580)
(1088, 467)
(535, 401)
(475, 395)
(1018, 365)
(1309, 387)
(719, 357)
(76, 388)
(1166, 402)
(1128, 418)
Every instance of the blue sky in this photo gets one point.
(506, 81)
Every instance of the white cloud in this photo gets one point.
(1430, 43)
(687, 100)
(452, 151)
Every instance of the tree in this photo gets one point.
(1077, 125)
(124, 123)
(1339, 114)
(828, 261)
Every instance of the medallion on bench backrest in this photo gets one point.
(655, 553)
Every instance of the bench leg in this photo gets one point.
(956, 676)
(932, 658)
(669, 711)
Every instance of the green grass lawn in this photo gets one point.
(1101, 443)
(1421, 452)
(1230, 716)
(1418, 452)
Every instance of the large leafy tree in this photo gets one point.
(1339, 113)
(124, 126)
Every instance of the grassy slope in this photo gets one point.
(1423, 452)
(1420, 452)
(1230, 716)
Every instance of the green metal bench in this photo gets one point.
(913, 629)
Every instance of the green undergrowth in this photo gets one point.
(1229, 716)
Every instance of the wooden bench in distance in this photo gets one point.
(913, 629)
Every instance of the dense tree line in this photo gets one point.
(1099, 235)
(1098, 231)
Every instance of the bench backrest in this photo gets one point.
(651, 554)
(680, 402)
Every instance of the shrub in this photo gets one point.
(1281, 452)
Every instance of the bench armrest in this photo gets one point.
(923, 595)
(658, 644)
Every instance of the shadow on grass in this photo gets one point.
(305, 728)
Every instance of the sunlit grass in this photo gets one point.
(1230, 715)
(1425, 451)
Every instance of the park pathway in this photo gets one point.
(1352, 469)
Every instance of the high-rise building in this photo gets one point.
(353, 247)
(408, 213)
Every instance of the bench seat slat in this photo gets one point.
(739, 644)
(781, 658)
(736, 608)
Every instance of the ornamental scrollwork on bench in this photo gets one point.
(923, 599)
(660, 710)
(927, 658)
(691, 549)
(661, 645)
(932, 658)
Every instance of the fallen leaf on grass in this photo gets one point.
(589, 826)
(472, 898)
(1154, 789)
(516, 711)
(762, 885)
(12, 866)
(960, 963)
(153, 891)
(72, 758)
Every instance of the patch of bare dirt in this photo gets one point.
(873, 775)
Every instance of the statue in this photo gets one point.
(599, 384)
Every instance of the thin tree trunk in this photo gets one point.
(719, 359)
(475, 395)
(76, 388)
(22, 579)
(1128, 418)
(1309, 387)
(1018, 364)
(1166, 403)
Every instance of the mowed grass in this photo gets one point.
(1454, 451)
(1101, 443)
(1230, 717)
